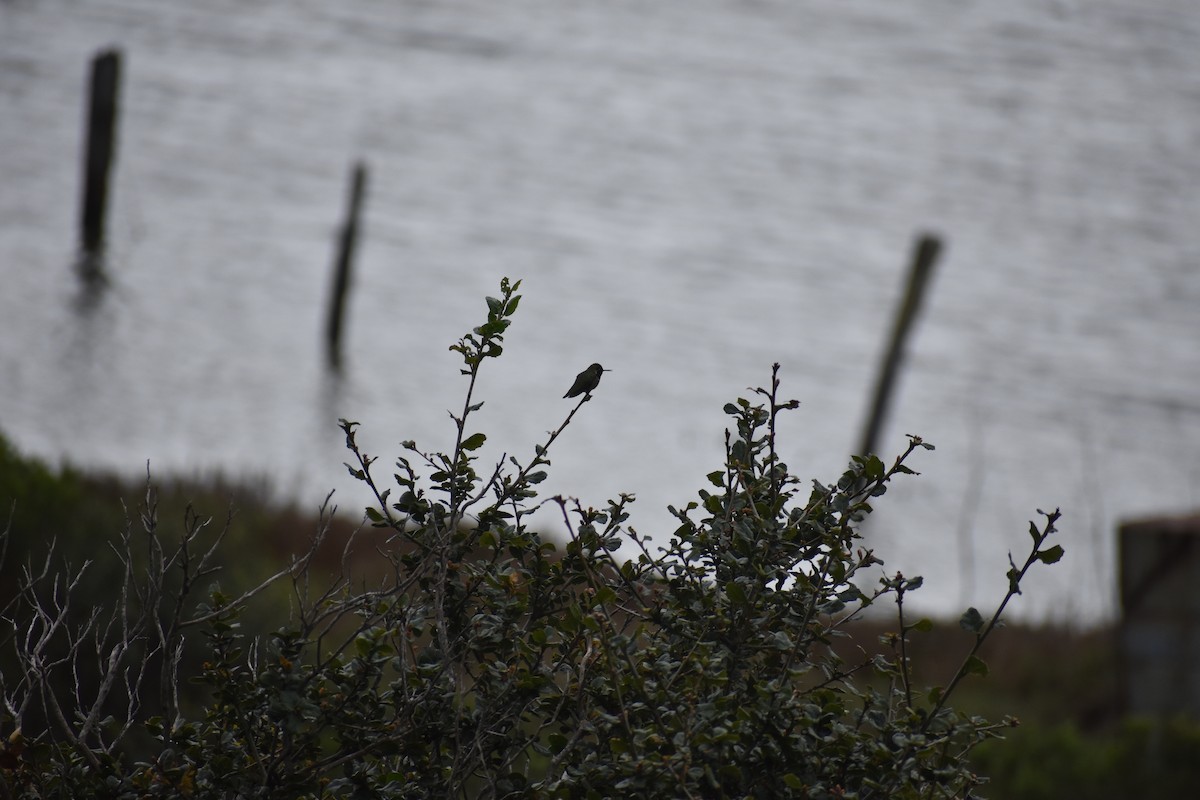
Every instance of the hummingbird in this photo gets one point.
(586, 381)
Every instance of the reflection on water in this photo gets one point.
(690, 194)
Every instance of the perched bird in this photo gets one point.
(586, 381)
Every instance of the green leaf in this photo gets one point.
(735, 592)
(474, 442)
(971, 620)
(1050, 555)
(924, 625)
(873, 469)
(975, 666)
(716, 478)
(512, 306)
(495, 306)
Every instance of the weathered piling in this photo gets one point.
(924, 257)
(347, 242)
(100, 147)
(1159, 632)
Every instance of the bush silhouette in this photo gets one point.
(485, 661)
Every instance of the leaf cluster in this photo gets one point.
(490, 662)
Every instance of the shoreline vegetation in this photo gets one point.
(1061, 683)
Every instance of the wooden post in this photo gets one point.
(924, 258)
(1159, 633)
(102, 119)
(341, 278)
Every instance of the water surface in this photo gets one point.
(690, 191)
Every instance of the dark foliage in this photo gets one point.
(487, 662)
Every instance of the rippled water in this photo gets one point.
(690, 191)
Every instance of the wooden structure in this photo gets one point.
(1159, 636)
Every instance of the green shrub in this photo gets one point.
(40, 506)
(1140, 758)
(487, 662)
